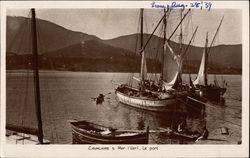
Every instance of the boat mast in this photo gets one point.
(181, 33)
(215, 34)
(143, 53)
(164, 41)
(141, 28)
(180, 53)
(36, 77)
(179, 24)
(206, 58)
(208, 50)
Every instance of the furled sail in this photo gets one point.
(169, 85)
(200, 78)
(171, 67)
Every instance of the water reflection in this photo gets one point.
(141, 123)
(194, 119)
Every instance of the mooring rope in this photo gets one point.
(214, 115)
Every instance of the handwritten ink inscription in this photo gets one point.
(173, 5)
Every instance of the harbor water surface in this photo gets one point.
(69, 95)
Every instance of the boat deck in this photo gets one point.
(22, 138)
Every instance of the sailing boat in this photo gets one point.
(26, 135)
(159, 97)
(213, 92)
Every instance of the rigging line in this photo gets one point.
(40, 41)
(215, 34)
(21, 117)
(159, 43)
(21, 107)
(136, 42)
(184, 53)
(15, 38)
(212, 106)
(143, 48)
(179, 24)
(39, 31)
(151, 48)
(218, 117)
(50, 109)
(50, 120)
(25, 95)
(149, 55)
(155, 54)
(224, 120)
(158, 55)
(27, 41)
(193, 41)
(22, 33)
(57, 79)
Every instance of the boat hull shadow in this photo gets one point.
(84, 132)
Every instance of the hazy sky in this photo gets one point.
(111, 23)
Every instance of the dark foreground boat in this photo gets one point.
(213, 92)
(85, 132)
(184, 135)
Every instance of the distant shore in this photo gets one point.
(60, 71)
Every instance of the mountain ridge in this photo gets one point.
(60, 40)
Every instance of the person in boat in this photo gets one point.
(182, 127)
(130, 93)
(100, 99)
(154, 87)
(121, 88)
(203, 135)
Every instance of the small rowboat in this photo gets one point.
(184, 135)
(85, 132)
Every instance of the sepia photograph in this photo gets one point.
(166, 74)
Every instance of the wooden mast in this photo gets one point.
(143, 53)
(36, 77)
(179, 24)
(181, 33)
(141, 28)
(180, 53)
(206, 57)
(215, 34)
(207, 50)
(164, 43)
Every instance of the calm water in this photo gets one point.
(67, 95)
